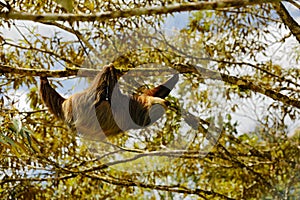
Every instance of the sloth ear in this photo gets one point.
(164, 89)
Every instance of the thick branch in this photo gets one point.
(288, 20)
(182, 68)
(41, 72)
(134, 11)
(79, 72)
(240, 82)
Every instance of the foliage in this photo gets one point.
(231, 130)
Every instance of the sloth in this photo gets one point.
(102, 110)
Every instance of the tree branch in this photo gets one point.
(79, 72)
(127, 183)
(177, 188)
(43, 72)
(182, 68)
(288, 20)
(159, 10)
(240, 82)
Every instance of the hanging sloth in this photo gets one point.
(103, 110)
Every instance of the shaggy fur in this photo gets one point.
(102, 110)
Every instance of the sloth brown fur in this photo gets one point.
(103, 110)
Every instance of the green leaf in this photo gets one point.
(66, 4)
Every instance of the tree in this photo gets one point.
(231, 130)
